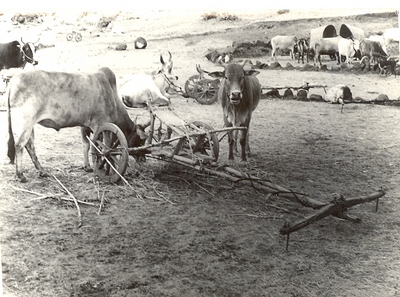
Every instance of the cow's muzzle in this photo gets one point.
(234, 97)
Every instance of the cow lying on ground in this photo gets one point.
(339, 94)
(141, 88)
(283, 42)
(239, 94)
(58, 100)
(15, 54)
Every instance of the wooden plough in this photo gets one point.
(196, 145)
(337, 207)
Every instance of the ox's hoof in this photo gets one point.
(140, 159)
(22, 178)
(44, 174)
(87, 169)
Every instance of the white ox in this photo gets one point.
(283, 42)
(141, 88)
(59, 100)
(348, 48)
(326, 46)
(391, 35)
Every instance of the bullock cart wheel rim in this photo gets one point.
(69, 36)
(206, 91)
(209, 144)
(78, 37)
(190, 85)
(111, 142)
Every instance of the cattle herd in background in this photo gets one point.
(371, 52)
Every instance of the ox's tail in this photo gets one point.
(11, 141)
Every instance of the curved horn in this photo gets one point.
(244, 63)
(162, 59)
(220, 61)
(22, 41)
(170, 55)
(36, 41)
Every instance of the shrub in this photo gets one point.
(228, 17)
(221, 17)
(209, 16)
(283, 11)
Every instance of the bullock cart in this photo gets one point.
(74, 35)
(203, 90)
(169, 138)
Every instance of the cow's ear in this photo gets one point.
(251, 72)
(216, 74)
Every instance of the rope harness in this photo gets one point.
(169, 82)
(25, 57)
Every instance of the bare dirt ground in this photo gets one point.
(182, 233)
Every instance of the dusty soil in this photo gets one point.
(178, 232)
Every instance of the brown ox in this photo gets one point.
(239, 94)
(59, 100)
(373, 50)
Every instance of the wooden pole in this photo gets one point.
(336, 207)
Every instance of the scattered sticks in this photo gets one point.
(45, 196)
(73, 198)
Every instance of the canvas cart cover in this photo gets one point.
(348, 31)
(322, 32)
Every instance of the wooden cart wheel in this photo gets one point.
(190, 85)
(69, 36)
(111, 145)
(207, 144)
(206, 91)
(78, 37)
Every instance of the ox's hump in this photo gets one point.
(110, 77)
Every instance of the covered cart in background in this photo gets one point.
(322, 32)
(348, 31)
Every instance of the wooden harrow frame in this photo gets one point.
(196, 145)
